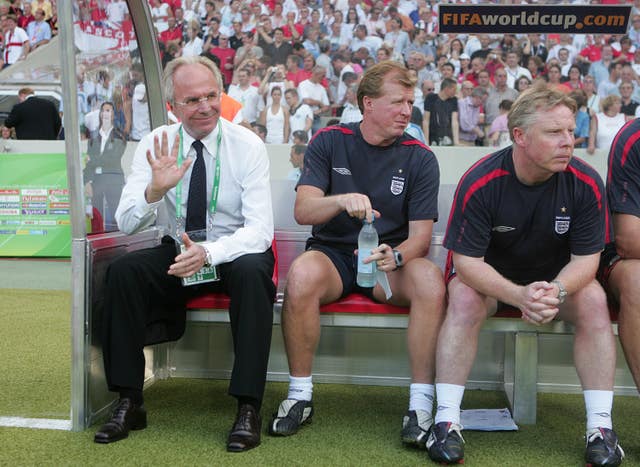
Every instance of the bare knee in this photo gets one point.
(466, 306)
(589, 308)
(311, 276)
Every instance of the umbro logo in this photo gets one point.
(503, 228)
(342, 170)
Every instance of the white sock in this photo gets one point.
(300, 388)
(421, 397)
(598, 405)
(449, 398)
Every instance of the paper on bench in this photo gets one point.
(381, 278)
(487, 420)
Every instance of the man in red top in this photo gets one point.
(26, 17)
(172, 33)
(226, 55)
(292, 31)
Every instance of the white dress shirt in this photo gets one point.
(243, 221)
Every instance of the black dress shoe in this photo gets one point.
(245, 433)
(127, 416)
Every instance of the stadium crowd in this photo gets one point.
(311, 54)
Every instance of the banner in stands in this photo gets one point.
(34, 205)
(525, 19)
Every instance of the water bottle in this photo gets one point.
(367, 241)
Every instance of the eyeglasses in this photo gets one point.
(430, 89)
(194, 102)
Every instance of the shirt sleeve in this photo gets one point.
(134, 213)
(317, 163)
(423, 200)
(623, 184)
(256, 233)
(588, 225)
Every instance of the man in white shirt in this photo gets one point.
(247, 95)
(515, 71)
(16, 42)
(183, 167)
(315, 95)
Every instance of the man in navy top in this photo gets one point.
(621, 265)
(526, 229)
(352, 172)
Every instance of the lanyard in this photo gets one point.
(216, 178)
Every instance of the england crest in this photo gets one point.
(562, 224)
(397, 185)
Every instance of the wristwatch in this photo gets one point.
(562, 292)
(397, 256)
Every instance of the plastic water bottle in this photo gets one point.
(367, 241)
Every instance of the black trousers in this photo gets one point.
(144, 305)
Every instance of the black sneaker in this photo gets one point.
(292, 414)
(415, 427)
(603, 448)
(445, 443)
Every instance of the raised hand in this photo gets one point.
(165, 173)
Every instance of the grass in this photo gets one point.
(189, 419)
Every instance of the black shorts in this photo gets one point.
(608, 260)
(346, 264)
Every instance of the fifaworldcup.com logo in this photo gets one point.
(581, 19)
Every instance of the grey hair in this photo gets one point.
(176, 63)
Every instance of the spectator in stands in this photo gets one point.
(264, 33)
(230, 13)
(300, 137)
(522, 84)
(477, 65)
(279, 49)
(39, 31)
(246, 94)
(581, 132)
(173, 32)
(140, 125)
(275, 78)
(600, 69)
(619, 264)
(499, 129)
(335, 205)
(103, 175)
(574, 80)
(628, 75)
(26, 17)
(484, 80)
(406, 23)
(292, 66)
(546, 274)
(610, 85)
(275, 118)
(374, 23)
(514, 70)
(534, 47)
(485, 47)
(260, 130)
(497, 94)
(45, 5)
(212, 37)
(629, 105)
(605, 124)
(160, 12)
(441, 115)
(292, 30)
(16, 42)
(34, 117)
(316, 23)
(341, 65)
(226, 55)
(471, 118)
(351, 111)
(300, 115)
(395, 37)
(296, 157)
(593, 100)
(210, 14)
(193, 45)
(6, 134)
(315, 95)
(235, 38)
(554, 78)
(536, 67)
(248, 50)
(144, 294)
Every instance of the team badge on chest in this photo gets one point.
(397, 185)
(562, 224)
